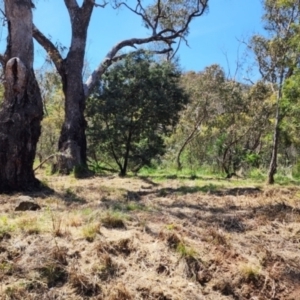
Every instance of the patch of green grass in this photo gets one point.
(185, 251)
(257, 175)
(90, 231)
(5, 227)
(86, 211)
(29, 224)
(170, 226)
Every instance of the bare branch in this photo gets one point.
(99, 5)
(140, 11)
(49, 47)
(111, 57)
(167, 35)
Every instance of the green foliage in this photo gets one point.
(296, 170)
(257, 174)
(53, 99)
(135, 106)
(228, 119)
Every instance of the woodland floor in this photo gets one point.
(148, 238)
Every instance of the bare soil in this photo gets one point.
(146, 238)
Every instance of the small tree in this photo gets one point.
(137, 103)
(277, 59)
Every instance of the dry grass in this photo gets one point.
(173, 239)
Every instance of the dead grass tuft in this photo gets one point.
(123, 246)
(217, 237)
(107, 268)
(83, 284)
(120, 292)
(113, 220)
(173, 240)
(59, 254)
(54, 274)
(15, 292)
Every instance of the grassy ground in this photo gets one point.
(152, 238)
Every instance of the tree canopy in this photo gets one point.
(136, 104)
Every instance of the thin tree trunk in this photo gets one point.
(273, 162)
(22, 110)
(126, 158)
(276, 134)
(186, 142)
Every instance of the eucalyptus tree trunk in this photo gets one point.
(276, 134)
(22, 110)
(72, 141)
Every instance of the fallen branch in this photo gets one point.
(46, 159)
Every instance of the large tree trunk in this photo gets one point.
(22, 111)
(72, 141)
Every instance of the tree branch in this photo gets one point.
(99, 5)
(112, 57)
(50, 48)
(71, 4)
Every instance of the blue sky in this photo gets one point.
(212, 37)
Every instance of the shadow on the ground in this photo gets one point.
(207, 189)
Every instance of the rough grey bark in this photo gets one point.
(72, 142)
(21, 111)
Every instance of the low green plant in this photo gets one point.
(170, 226)
(257, 175)
(185, 251)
